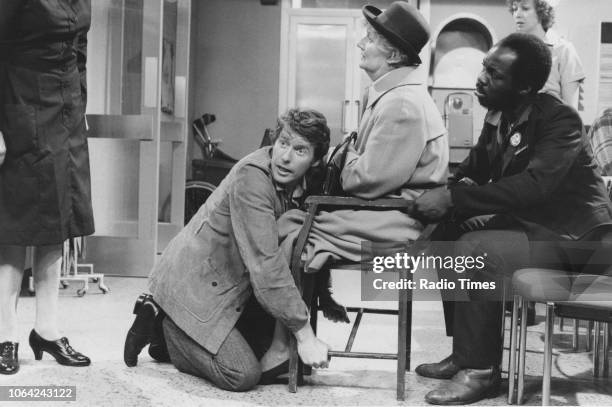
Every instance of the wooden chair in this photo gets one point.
(305, 283)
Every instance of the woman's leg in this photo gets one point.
(233, 368)
(46, 269)
(12, 263)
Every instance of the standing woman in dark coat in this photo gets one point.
(45, 194)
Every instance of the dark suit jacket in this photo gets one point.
(543, 175)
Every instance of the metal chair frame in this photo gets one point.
(600, 319)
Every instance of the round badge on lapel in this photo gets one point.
(515, 139)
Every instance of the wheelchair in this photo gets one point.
(207, 172)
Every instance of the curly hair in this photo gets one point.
(543, 8)
(308, 123)
(533, 60)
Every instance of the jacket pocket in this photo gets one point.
(20, 129)
(206, 292)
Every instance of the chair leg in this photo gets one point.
(606, 349)
(575, 341)
(548, 335)
(589, 336)
(512, 349)
(522, 351)
(293, 364)
(402, 331)
(408, 333)
(596, 349)
(502, 334)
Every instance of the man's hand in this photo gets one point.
(311, 349)
(434, 204)
(2, 148)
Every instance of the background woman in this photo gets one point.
(536, 17)
(45, 195)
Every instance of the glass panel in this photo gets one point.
(346, 4)
(605, 68)
(321, 71)
(114, 76)
(123, 104)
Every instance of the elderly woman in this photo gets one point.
(401, 148)
(536, 17)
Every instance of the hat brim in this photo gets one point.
(370, 13)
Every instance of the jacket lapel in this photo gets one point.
(517, 141)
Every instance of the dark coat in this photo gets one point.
(546, 180)
(45, 194)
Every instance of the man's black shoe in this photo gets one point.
(466, 387)
(158, 349)
(445, 369)
(141, 330)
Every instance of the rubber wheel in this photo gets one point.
(196, 193)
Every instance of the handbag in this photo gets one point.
(332, 185)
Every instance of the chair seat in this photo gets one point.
(587, 310)
(542, 285)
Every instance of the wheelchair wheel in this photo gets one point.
(196, 193)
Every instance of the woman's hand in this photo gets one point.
(2, 148)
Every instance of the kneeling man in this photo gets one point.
(226, 262)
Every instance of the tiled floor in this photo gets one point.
(96, 325)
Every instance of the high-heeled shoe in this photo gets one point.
(9, 362)
(60, 349)
(139, 335)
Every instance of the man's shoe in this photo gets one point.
(158, 349)
(466, 387)
(141, 330)
(445, 369)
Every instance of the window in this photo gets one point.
(605, 67)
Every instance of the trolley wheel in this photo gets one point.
(196, 193)
(64, 284)
(103, 287)
(81, 292)
(95, 279)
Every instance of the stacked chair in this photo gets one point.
(586, 295)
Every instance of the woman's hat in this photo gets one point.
(402, 25)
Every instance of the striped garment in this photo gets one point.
(601, 141)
